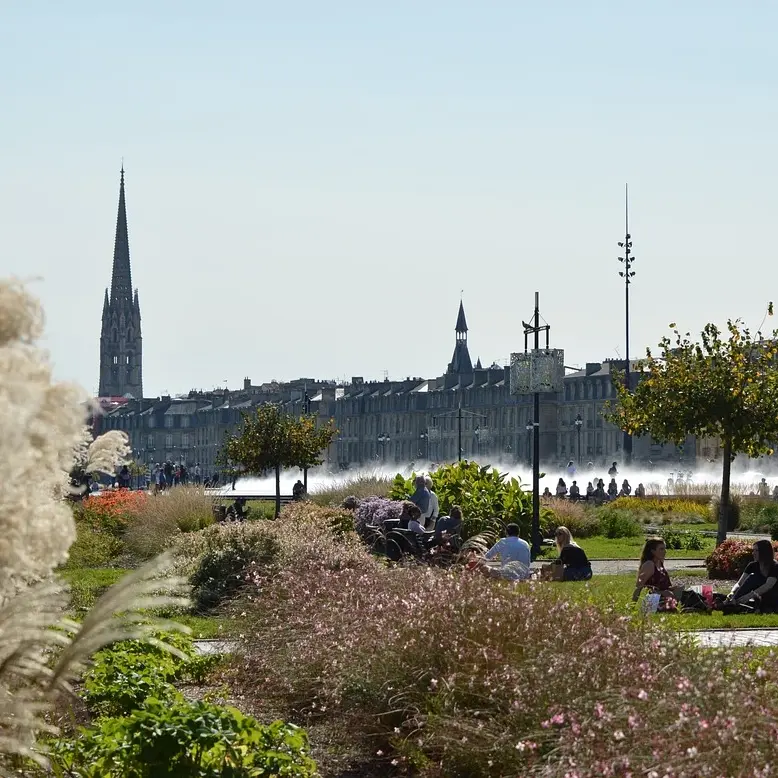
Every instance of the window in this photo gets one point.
(185, 441)
(184, 421)
(168, 441)
(152, 422)
(127, 360)
(149, 441)
(169, 422)
(116, 360)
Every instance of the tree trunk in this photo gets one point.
(278, 490)
(721, 536)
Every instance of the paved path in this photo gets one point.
(616, 566)
(735, 638)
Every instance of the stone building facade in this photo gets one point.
(467, 409)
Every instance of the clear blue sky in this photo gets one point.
(310, 185)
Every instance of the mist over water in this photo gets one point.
(705, 479)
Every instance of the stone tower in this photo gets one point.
(121, 354)
(461, 362)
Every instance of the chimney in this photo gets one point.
(593, 367)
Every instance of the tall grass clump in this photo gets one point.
(454, 675)
(359, 486)
(666, 510)
(42, 442)
(581, 521)
(160, 519)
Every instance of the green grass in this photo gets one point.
(630, 548)
(616, 591)
(88, 583)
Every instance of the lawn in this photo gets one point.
(87, 584)
(629, 548)
(616, 591)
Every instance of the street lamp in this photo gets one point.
(627, 275)
(578, 425)
(383, 440)
(477, 433)
(426, 438)
(530, 426)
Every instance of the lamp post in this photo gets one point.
(307, 412)
(627, 274)
(426, 438)
(529, 427)
(383, 440)
(477, 433)
(578, 425)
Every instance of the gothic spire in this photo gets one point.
(461, 321)
(121, 278)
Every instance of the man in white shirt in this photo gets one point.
(431, 516)
(513, 554)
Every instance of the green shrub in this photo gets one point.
(261, 509)
(690, 541)
(758, 515)
(93, 547)
(489, 499)
(184, 740)
(128, 673)
(618, 523)
(230, 553)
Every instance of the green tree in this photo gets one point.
(269, 439)
(722, 387)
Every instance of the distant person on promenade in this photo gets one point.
(589, 491)
(561, 489)
(298, 491)
(613, 489)
(571, 470)
(575, 492)
(198, 474)
(764, 489)
(613, 470)
(640, 491)
(626, 489)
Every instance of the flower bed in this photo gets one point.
(729, 560)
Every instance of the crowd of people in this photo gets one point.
(595, 491)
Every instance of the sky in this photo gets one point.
(312, 186)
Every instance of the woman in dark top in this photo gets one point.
(758, 586)
(652, 574)
(573, 558)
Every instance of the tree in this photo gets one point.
(718, 388)
(269, 440)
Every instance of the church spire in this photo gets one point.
(121, 344)
(461, 362)
(121, 278)
(461, 327)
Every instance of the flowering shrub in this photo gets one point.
(459, 676)
(730, 558)
(110, 511)
(375, 511)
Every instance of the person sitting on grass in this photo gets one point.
(575, 492)
(653, 576)
(513, 554)
(572, 557)
(758, 586)
(561, 489)
(237, 511)
(449, 526)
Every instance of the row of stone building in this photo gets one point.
(469, 408)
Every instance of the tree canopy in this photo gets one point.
(725, 387)
(270, 440)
